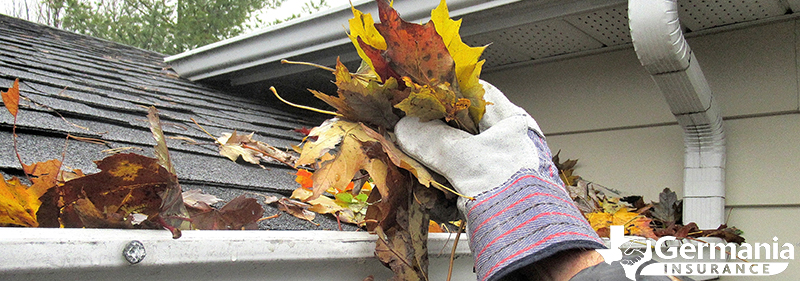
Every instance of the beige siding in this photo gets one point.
(605, 110)
(762, 224)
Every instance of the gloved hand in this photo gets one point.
(522, 212)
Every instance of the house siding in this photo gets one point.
(605, 110)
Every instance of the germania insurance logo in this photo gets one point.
(696, 259)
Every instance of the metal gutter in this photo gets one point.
(298, 37)
(97, 254)
(664, 53)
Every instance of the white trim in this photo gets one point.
(36, 253)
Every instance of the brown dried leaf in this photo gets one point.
(239, 213)
(296, 208)
(193, 197)
(127, 184)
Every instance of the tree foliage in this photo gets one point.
(165, 26)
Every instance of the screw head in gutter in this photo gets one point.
(134, 252)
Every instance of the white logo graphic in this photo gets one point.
(705, 264)
(615, 254)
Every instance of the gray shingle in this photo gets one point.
(107, 87)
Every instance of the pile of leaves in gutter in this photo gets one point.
(348, 166)
(651, 220)
(130, 191)
(408, 69)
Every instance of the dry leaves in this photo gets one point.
(11, 98)
(252, 151)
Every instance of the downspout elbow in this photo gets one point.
(665, 54)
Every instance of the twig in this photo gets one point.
(56, 112)
(285, 61)
(441, 186)
(269, 217)
(89, 140)
(453, 252)
(302, 106)
(121, 149)
(207, 133)
(357, 75)
(184, 139)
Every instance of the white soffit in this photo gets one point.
(517, 32)
(609, 26)
(703, 14)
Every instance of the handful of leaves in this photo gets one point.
(408, 69)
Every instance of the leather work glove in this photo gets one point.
(521, 212)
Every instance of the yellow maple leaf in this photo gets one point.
(18, 204)
(362, 25)
(468, 68)
(635, 224)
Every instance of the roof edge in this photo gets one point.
(300, 36)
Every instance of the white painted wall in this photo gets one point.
(605, 110)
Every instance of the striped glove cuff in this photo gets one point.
(526, 219)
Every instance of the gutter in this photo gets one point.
(664, 53)
(97, 254)
(307, 35)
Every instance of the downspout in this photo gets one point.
(664, 53)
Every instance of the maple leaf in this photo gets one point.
(20, 203)
(338, 172)
(362, 28)
(400, 158)
(434, 227)
(418, 55)
(467, 66)
(566, 169)
(666, 210)
(239, 213)
(635, 224)
(329, 134)
(11, 98)
(414, 50)
(127, 184)
(304, 178)
(360, 101)
(402, 235)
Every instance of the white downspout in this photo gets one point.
(662, 50)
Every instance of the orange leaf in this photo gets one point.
(434, 227)
(11, 98)
(304, 178)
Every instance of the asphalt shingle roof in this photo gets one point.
(88, 87)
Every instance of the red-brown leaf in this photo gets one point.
(414, 50)
(239, 213)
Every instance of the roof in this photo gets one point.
(88, 87)
(520, 33)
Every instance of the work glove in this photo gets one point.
(521, 212)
